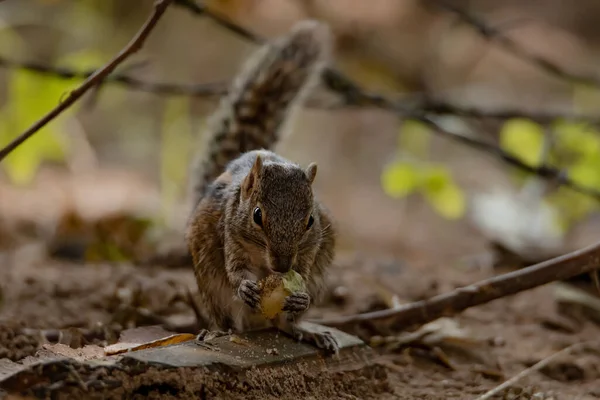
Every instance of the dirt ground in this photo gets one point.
(514, 333)
(44, 299)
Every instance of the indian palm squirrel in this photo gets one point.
(255, 213)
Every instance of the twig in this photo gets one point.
(132, 47)
(536, 367)
(200, 10)
(542, 117)
(221, 88)
(128, 81)
(544, 171)
(444, 305)
(353, 95)
(495, 35)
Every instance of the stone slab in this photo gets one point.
(252, 349)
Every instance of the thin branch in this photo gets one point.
(534, 368)
(353, 95)
(448, 304)
(127, 81)
(132, 47)
(200, 10)
(221, 88)
(541, 117)
(495, 35)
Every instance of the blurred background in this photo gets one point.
(394, 186)
(94, 205)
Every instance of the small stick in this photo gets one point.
(536, 367)
(98, 76)
(448, 304)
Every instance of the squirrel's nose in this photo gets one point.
(282, 264)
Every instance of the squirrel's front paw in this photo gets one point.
(297, 302)
(249, 293)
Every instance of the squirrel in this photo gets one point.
(255, 213)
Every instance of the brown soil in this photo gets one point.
(515, 333)
(77, 303)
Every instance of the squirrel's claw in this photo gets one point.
(297, 302)
(206, 335)
(249, 293)
(326, 341)
(323, 340)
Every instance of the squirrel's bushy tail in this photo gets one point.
(270, 85)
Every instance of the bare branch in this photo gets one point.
(127, 81)
(448, 304)
(496, 36)
(541, 117)
(95, 78)
(200, 10)
(353, 95)
(220, 88)
(536, 367)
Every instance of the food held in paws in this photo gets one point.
(275, 288)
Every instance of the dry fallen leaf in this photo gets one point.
(119, 348)
(146, 337)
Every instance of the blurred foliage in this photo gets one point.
(176, 151)
(30, 97)
(574, 148)
(118, 237)
(410, 174)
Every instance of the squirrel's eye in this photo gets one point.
(258, 216)
(311, 220)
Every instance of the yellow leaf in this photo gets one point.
(399, 179)
(414, 138)
(443, 194)
(175, 150)
(29, 97)
(524, 139)
(578, 137)
(119, 348)
(571, 206)
(586, 173)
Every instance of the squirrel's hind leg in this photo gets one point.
(323, 340)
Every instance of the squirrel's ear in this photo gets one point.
(311, 172)
(251, 180)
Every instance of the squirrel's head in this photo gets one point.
(278, 213)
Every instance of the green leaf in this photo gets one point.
(414, 138)
(586, 173)
(30, 96)
(443, 194)
(524, 139)
(571, 206)
(577, 137)
(175, 150)
(399, 179)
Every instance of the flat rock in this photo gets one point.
(230, 355)
(253, 349)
